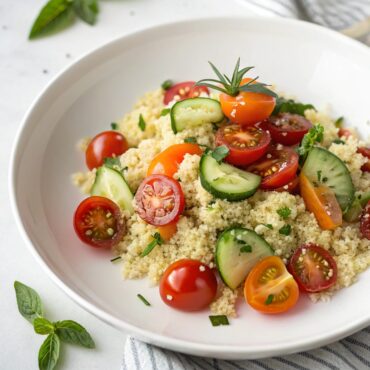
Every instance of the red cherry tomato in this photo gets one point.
(291, 187)
(313, 268)
(105, 145)
(366, 153)
(159, 200)
(365, 222)
(343, 132)
(183, 90)
(277, 167)
(287, 128)
(188, 285)
(98, 222)
(246, 144)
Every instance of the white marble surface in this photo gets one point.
(25, 68)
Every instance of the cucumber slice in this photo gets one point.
(354, 212)
(237, 251)
(110, 183)
(225, 181)
(325, 168)
(195, 112)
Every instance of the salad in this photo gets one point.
(223, 188)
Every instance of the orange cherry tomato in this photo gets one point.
(167, 231)
(270, 288)
(167, 162)
(247, 108)
(321, 201)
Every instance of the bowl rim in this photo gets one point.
(190, 347)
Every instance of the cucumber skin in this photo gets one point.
(220, 194)
(217, 249)
(172, 113)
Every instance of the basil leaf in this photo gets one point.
(28, 301)
(220, 153)
(290, 106)
(71, 332)
(54, 16)
(43, 326)
(87, 10)
(49, 352)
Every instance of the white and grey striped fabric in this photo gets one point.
(351, 17)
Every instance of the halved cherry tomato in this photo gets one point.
(159, 200)
(287, 128)
(188, 285)
(291, 187)
(183, 90)
(365, 222)
(321, 201)
(366, 153)
(98, 222)
(167, 162)
(246, 144)
(269, 288)
(247, 108)
(313, 268)
(167, 231)
(105, 145)
(343, 132)
(277, 167)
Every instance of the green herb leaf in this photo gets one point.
(165, 111)
(284, 212)
(43, 326)
(257, 87)
(339, 122)
(220, 153)
(87, 10)
(218, 320)
(49, 352)
(167, 84)
(269, 299)
(116, 259)
(338, 141)
(157, 240)
(285, 230)
(143, 300)
(28, 301)
(313, 136)
(53, 17)
(269, 226)
(71, 332)
(246, 249)
(191, 140)
(113, 162)
(141, 124)
(290, 106)
(114, 126)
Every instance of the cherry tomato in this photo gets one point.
(246, 144)
(188, 285)
(366, 153)
(321, 201)
(159, 200)
(343, 132)
(291, 187)
(269, 288)
(167, 162)
(365, 222)
(98, 222)
(183, 90)
(247, 108)
(277, 167)
(313, 268)
(104, 145)
(287, 128)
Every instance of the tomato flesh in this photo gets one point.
(159, 200)
(188, 285)
(277, 167)
(291, 187)
(104, 145)
(184, 90)
(98, 222)
(168, 161)
(365, 221)
(287, 128)
(313, 268)
(246, 144)
(269, 288)
(366, 153)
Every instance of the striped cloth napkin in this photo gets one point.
(351, 17)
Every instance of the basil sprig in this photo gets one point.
(30, 307)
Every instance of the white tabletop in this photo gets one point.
(25, 68)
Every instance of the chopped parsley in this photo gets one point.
(325, 179)
(269, 226)
(143, 300)
(191, 140)
(246, 249)
(284, 212)
(141, 124)
(313, 136)
(165, 111)
(339, 122)
(116, 259)
(157, 240)
(285, 230)
(269, 299)
(220, 153)
(114, 126)
(167, 84)
(218, 320)
(338, 141)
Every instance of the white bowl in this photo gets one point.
(315, 64)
